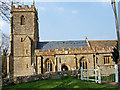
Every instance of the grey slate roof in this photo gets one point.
(53, 44)
(103, 43)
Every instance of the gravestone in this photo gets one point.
(56, 76)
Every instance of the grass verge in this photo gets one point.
(66, 82)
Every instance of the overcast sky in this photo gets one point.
(73, 21)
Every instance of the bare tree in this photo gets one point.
(4, 42)
(4, 46)
(5, 6)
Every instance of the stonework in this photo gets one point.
(29, 56)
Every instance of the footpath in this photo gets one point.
(111, 84)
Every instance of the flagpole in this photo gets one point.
(117, 28)
(116, 20)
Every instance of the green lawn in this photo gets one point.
(66, 82)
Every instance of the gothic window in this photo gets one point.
(51, 66)
(83, 63)
(48, 65)
(107, 59)
(96, 60)
(75, 60)
(22, 20)
(59, 60)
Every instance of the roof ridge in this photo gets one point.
(101, 40)
(63, 41)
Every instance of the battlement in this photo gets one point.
(70, 48)
(22, 8)
(73, 50)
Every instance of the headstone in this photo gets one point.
(55, 76)
(65, 75)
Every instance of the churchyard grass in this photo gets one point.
(66, 82)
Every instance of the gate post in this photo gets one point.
(81, 73)
(87, 75)
(95, 76)
(99, 77)
(116, 73)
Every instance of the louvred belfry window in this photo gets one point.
(22, 20)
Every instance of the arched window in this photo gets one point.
(22, 20)
(48, 65)
(83, 63)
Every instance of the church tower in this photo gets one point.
(24, 36)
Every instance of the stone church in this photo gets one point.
(29, 56)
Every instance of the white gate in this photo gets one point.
(96, 74)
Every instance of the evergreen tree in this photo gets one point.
(115, 54)
(5, 52)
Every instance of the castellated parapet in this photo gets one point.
(24, 8)
(75, 50)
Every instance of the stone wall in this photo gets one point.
(22, 66)
(20, 79)
(69, 61)
(67, 57)
(50, 75)
(106, 70)
(75, 50)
